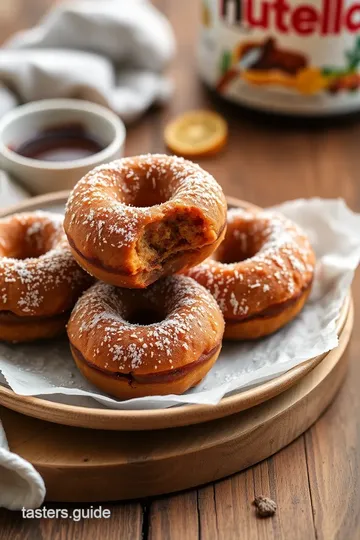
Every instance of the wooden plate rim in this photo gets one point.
(145, 464)
(114, 419)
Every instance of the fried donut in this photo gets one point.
(137, 219)
(158, 341)
(39, 279)
(261, 275)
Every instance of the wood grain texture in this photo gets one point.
(87, 466)
(332, 451)
(290, 491)
(176, 517)
(265, 162)
(125, 523)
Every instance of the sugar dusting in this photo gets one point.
(102, 203)
(281, 268)
(191, 325)
(25, 284)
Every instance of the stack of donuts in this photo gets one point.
(150, 272)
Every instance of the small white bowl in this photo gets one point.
(38, 176)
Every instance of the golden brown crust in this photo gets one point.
(146, 278)
(103, 340)
(256, 327)
(137, 219)
(39, 278)
(16, 329)
(123, 388)
(265, 262)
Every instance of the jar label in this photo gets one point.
(283, 55)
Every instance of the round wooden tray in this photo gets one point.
(108, 419)
(80, 465)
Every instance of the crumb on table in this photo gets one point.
(265, 507)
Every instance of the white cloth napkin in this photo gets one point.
(112, 52)
(20, 484)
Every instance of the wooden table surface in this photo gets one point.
(316, 480)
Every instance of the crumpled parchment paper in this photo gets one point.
(47, 369)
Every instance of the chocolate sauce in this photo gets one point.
(66, 142)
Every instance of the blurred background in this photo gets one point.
(265, 161)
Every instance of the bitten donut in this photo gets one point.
(261, 275)
(39, 279)
(158, 341)
(137, 219)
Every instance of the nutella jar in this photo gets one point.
(297, 57)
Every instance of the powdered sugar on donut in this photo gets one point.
(103, 203)
(27, 283)
(192, 324)
(281, 269)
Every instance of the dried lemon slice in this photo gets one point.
(196, 134)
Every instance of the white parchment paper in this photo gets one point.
(47, 369)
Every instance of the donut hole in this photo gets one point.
(148, 196)
(145, 316)
(36, 245)
(243, 240)
(236, 249)
(143, 188)
(179, 232)
(28, 241)
(231, 258)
